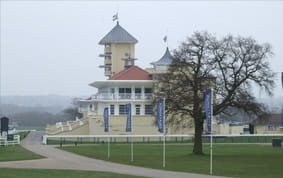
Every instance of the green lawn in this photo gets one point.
(38, 128)
(142, 140)
(44, 173)
(236, 160)
(22, 134)
(16, 152)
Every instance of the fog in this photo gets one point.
(51, 47)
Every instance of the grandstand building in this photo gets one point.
(126, 83)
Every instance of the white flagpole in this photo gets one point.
(132, 145)
(109, 146)
(108, 136)
(211, 131)
(164, 137)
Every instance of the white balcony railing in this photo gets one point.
(122, 96)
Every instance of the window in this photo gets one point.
(148, 93)
(137, 90)
(112, 90)
(138, 93)
(107, 45)
(122, 109)
(103, 90)
(125, 93)
(107, 58)
(270, 128)
(112, 109)
(148, 90)
(107, 69)
(125, 90)
(148, 109)
(90, 107)
(138, 109)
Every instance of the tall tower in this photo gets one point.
(119, 50)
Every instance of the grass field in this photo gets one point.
(16, 152)
(142, 140)
(44, 173)
(38, 128)
(234, 160)
(22, 134)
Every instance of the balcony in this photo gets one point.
(122, 96)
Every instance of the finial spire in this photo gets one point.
(165, 38)
(115, 17)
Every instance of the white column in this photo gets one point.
(116, 112)
(142, 92)
(116, 93)
(142, 109)
(133, 93)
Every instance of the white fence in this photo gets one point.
(14, 141)
(253, 137)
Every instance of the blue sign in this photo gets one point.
(207, 108)
(282, 79)
(106, 120)
(160, 115)
(129, 118)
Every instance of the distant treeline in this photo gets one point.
(28, 119)
(37, 116)
(9, 109)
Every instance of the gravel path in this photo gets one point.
(59, 159)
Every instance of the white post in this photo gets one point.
(44, 140)
(132, 145)
(19, 139)
(108, 145)
(211, 131)
(108, 136)
(132, 150)
(164, 133)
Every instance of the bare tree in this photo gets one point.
(231, 66)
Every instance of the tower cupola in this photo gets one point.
(119, 50)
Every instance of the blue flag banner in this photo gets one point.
(282, 119)
(106, 120)
(207, 108)
(160, 115)
(282, 79)
(129, 118)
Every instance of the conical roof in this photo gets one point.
(166, 58)
(118, 35)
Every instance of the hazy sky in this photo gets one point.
(51, 47)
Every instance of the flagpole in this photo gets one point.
(108, 145)
(164, 132)
(132, 145)
(211, 131)
(108, 136)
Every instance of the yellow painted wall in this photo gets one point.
(260, 129)
(118, 53)
(142, 125)
(83, 130)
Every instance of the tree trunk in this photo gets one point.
(198, 141)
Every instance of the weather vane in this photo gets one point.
(115, 17)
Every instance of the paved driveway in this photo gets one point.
(58, 159)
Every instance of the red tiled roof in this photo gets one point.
(132, 73)
(274, 119)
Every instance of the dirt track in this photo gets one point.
(58, 159)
